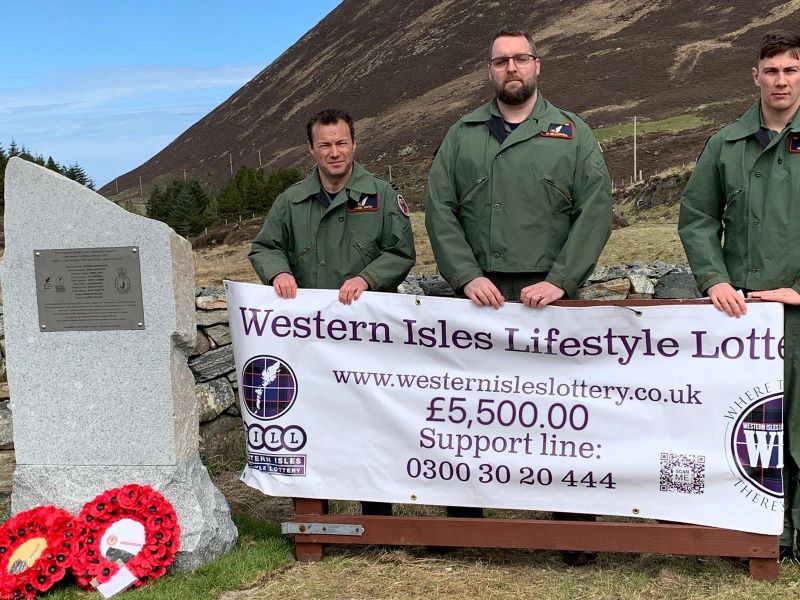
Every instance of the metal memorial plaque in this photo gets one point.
(89, 289)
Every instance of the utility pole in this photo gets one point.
(259, 158)
(116, 183)
(184, 174)
(390, 173)
(634, 147)
(230, 158)
(141, 193)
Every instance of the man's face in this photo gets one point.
(513, 84)
(778, 77)
(332, 149)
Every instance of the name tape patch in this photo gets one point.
(367, 203)
(794, 143)
(560, 130)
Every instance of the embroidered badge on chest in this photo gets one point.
(794, 143)
(366, 203)
(560, 130)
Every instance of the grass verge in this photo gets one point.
(259, 552)
(360, 573)
(644, 243)
(688, 120)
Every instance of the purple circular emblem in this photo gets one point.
(268, 387)
(757, 444)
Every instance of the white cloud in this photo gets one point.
(98, 86)
(112, 119)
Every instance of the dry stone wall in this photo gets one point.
(7, 462)
(222, 442)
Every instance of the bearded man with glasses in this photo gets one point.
(519, 199)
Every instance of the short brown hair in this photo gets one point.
(512, 32)
(330, 116)
(778, 42)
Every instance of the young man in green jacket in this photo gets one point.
(339, 228)
(739, 224)
(519, 199)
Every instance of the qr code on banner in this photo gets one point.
(683, 473)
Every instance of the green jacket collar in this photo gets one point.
(542, 110)
(750, 122)
(360, 182)
(542, 115)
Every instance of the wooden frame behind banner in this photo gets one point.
(658, 538)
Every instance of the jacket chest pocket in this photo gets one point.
(364, 250)
(558, 197)
(298, 258)
(472, 189)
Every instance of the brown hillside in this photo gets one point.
(407, 70)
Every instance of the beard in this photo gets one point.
(519, 95)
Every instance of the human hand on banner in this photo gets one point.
(782, 295)
(285, 285)
(352, 289)
(727, 299)
(540, 294)
(483, 292)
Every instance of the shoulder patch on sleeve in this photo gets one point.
(402, 204)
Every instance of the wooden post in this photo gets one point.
(307, 509)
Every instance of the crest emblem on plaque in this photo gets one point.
(122, 282)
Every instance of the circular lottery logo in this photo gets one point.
(268, 386)
(757, 444)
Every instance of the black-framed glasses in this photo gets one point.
(501, 62)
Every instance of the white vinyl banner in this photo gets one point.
(667, 412)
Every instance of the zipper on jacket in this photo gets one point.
(473, 188)
(558, 188)
(365, 253)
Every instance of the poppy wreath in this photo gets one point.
(135, 511)
(35, 551)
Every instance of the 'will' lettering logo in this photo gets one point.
(757, 444)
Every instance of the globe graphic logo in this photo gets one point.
(757, 444)
(268, 386)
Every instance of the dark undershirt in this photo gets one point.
(325, 197)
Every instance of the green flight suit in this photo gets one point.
(739, 221)
(540, 202)
(363, 232)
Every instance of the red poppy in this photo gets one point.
(140, 503)
(34, 551)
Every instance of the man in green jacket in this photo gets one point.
(519, 199)
(340, 228)
(739, 224)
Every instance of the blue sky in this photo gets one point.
(107, 84)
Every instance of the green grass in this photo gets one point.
(260, 549)
(602, 52)
(688, 120)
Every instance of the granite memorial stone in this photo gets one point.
(98, 407)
